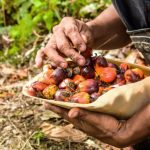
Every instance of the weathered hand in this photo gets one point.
(107, 128)
(69, 37)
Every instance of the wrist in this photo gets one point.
(98, 33)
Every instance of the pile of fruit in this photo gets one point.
(82, 84)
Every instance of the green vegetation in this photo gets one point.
(22, 22)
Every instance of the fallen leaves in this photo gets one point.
(63, 133)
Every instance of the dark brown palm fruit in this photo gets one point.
(76, 70)
(87, 53)
(94, 96)
(49, 92)
(71, 64)
(63, 95)
(101, 61)
(67, 84)
(120, 80)
(81, 97)
(131, 76)
(114, 66)
(94, 58)
(89, 86)
(89, 62)
(88, 72)
(69, 72)
(38, 86)
(58, 75)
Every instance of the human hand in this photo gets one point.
(69, 38)
(108, 129)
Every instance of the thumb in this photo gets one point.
(93, 118)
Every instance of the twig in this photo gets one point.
(27, 141)
(19, 132)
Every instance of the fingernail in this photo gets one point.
(81, 61)
(63, 65)
(73, 114)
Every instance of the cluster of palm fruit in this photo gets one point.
(83, 84)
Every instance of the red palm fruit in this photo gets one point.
(101, 61)
(57, 76)
(87, 72)
(100, 90)
(89, 86)
(108, 74)
(67, 84)
(78, 78)
(120, 80)
(81, 97)
(63, 95)
(130, 76)
(38, 86)
(50, 91)
(124, 67)
(139, 72)
(89, 62)
(31, 91)
(94, 96)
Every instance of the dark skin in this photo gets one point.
(108, 33)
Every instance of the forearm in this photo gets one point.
(108, 30)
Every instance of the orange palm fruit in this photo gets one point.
(50, 91)
(78, 78)
(108, 74)
(138, 72)
(81, 97)
(38, 86)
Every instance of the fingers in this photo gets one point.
(72, 31)
(39, 58)
(51, 51)
(58, 110)
(96, 119)
(65, 47)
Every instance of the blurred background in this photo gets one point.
(25, 26)
(25, 23)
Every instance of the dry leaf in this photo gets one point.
(62, 133)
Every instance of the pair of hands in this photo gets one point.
(68, 37)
